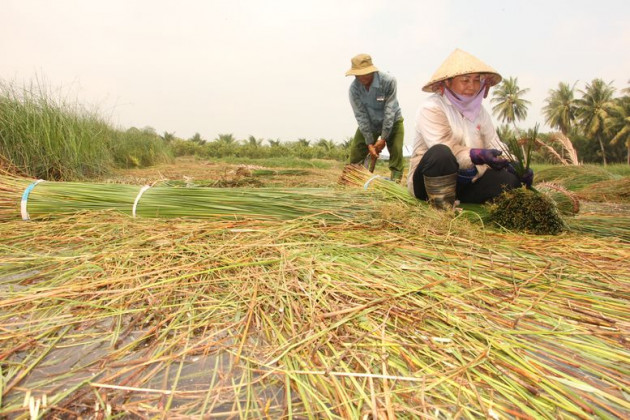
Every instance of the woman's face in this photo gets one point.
(466, 84)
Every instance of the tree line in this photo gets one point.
(593, 126)
(594, 121)
(48, 137)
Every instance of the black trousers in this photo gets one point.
(439, 160)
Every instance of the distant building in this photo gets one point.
(407, 151)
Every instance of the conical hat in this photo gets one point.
(458, 63)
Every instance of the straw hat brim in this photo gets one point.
(458, 63)
(361, 72)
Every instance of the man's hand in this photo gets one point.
(380, 144)
(488, 157)
(372, 150)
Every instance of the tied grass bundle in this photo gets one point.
(566, 202)
(602, 225)
(528, 211)
(53, 198)
(574, 178)
(358, 176)
(611, 191)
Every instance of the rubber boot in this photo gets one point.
(441, 191)
(396, 176)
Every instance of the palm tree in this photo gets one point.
(327, 145)
(510, 106)
(561, 108)
(593, 109)
(504, 131)
(196, 138)
(149, 130)
(303, 142)
(618, 123)
(168, 137)
(226, 139)
(253, 141)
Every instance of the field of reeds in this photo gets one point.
(47, 133)
(358, 303)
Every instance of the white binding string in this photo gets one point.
(135, 203)
(24, 202)
(367, 183)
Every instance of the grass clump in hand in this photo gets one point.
(519, 153)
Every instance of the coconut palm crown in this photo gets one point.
(561, 107)
(510, 105)
(594, 108)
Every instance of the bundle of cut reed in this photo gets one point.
(574, 177)
(358, 176)
(566, 201)
(612, 191)
(46, 199)
(617, 227)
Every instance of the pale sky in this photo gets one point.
(275, 69)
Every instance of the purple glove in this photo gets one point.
(527, 178)
(488, 157)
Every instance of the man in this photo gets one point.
(376, 109)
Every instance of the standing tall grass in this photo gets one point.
(135, 148)
(49, 137)
(44, 135)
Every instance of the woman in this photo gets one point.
(457, 152)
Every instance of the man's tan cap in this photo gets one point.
(361, 64)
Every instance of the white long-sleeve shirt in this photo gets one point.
(439, 122)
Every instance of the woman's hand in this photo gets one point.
(488, 157)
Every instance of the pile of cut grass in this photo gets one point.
(574, 177)
(106, 315)
(228, 173)
(524, 210)
(566, 201)
(610, 191)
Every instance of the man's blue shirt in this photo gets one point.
(377, 109)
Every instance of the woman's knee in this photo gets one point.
(439, 160)
(439, 151)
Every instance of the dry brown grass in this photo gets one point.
(407, 312)
(220, 174)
